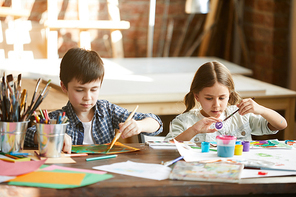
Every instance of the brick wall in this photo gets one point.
(265, 25)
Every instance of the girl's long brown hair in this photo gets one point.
(206, 76)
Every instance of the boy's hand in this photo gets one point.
(129, 128)
(67, 144)
(249, 106)
(203, 126)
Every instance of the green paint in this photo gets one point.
(264, 155)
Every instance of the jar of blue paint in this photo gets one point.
(225, 145)
(205, 147)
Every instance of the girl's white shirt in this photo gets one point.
(87, 139)
(240, 126)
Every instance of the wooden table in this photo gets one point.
(123, 185)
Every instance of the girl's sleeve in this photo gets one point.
(259, 125)
(176, 128)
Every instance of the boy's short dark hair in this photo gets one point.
(83, 65)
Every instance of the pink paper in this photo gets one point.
(19, 168)
(53, 167)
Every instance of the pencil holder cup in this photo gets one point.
(12, 136)
(50, 139)
(225, 145)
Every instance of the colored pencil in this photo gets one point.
(168, 163)
(100, 158)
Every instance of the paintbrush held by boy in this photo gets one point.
(13, 99)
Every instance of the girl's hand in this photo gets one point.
(249, 106)
(203, 126)
(67, 144)
(129, 128)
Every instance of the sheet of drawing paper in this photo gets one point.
(53, 167)
(6, 178)
(191, 155)
(19, 168)
(102, 148)
(250, 173)
(142, 170)
(278, 159)
(264, 158)
(89, 178)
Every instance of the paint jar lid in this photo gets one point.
(225, 137)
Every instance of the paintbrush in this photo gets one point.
(37, 104)
(37, 101)
(35, 91)
(230, 115)
(233, 113)
(19, 87)
(118, 134)
(23, 100)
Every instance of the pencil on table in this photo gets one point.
(118, 134)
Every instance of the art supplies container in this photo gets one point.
(238, 149)
(50, 139)
(225, 145)
(12, 136)
(246, 146)
(205, 147)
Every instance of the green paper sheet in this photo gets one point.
(102, 148)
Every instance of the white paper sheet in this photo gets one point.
(250, 173)
(6, 178)
(142, 170)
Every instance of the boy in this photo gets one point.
(92, 121)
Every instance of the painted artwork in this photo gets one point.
(268, 144)
(102, 148)
(217, 171)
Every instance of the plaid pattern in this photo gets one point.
(106, 118)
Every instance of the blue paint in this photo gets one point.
(205, 147)
(225, 151)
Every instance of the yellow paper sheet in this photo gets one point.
(51, 178)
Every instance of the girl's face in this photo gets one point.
(213, 100)
(82, 96)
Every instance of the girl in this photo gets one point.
(213, 89)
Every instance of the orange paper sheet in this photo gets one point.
(51, 178)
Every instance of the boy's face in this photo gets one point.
(82, 96)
